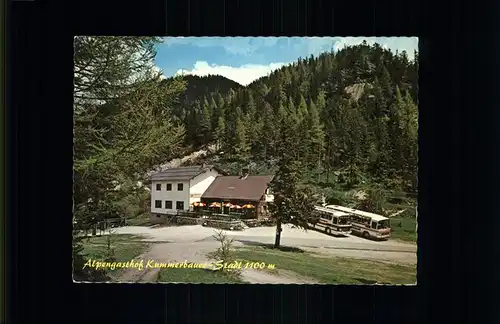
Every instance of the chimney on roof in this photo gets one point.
(244, 173)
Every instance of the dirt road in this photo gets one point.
(265, 235)
(192, 243)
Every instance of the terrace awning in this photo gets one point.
(248, 206)
(215, 205)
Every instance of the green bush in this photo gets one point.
(224, 253)
(374, 202)
(337, 198)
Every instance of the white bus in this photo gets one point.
(331, 221)
(369, 225)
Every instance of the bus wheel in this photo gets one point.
(366, 235)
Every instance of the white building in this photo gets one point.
(178, 188)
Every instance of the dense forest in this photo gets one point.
(354, 111)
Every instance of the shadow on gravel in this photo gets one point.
(271, 246)
(370, 282)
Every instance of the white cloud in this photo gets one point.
(244, 74)
(157, 71)
(233, 45)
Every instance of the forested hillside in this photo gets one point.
(199, 87)
(354, 115)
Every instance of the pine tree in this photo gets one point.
(241, 145)
(321, 102)
(221, 104)
(292, 204)
(122, 123)
(205, 123)
(250, 120)
(195, 137)
(302, 109)
(269, 130)
(220, 133)
(386, 83)
(396, 134)
(410, 144)
(215, 113)
(332, 146)
(316, 135)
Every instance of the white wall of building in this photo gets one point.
(174, 195)
(191, 192)
(200, 184)
(269, 197)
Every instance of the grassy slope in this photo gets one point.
(194, 276)
(141, 220)
(127, 247)
(407, 232)
(332, 270)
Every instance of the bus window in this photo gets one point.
(374, 225)
(343, 220)
(326, 216)
(384, 224)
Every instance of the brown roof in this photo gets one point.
(234, 187)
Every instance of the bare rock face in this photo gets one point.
(175, 163)
(356, 90)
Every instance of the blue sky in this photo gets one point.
(245, 59)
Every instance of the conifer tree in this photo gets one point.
(241, 145)
(220, 134)
(269, 130)
(316, 135)
(302, 109)
(250, 120)
(292, 204)
(205, 123)
(215, 113)
(122, 124)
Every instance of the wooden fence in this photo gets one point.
(101, 227)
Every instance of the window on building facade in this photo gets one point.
(157, 203)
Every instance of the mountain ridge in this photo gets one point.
(355, 109)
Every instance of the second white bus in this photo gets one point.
(368, 225)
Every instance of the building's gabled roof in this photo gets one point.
(183, 173)
(251, 188)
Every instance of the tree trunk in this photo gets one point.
(327, 161)
(278, 234)
(319, 165)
